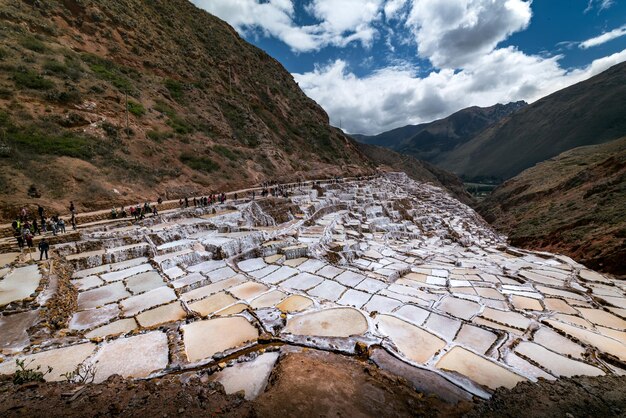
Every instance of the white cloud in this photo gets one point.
(600, 4)
(393, 9)
(340, 21)
(453, 33)
(604, 38)
(396, 96)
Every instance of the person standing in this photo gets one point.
(40, 211)
(43, 249)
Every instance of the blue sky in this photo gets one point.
(374, 65)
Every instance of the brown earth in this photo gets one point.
(206, 111)
(305, 384)
(574, 204)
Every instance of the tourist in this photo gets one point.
(43, 249)
(40, 211)
(155, 212)
(253, 194)
(61, 225)
(113, 213)
(186, 202)
(20, 240)
(72, 207)
(29, 239)
(36, 227)
(159, 200)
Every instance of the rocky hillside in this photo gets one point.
(574, 204)
(387, 159)
(590, 112)
(433, 141)
(122, 100)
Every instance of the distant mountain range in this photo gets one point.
(499, 142)
(590, 112)
(432, 141)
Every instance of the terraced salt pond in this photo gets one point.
(386, 262)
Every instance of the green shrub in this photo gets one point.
(71, 69)
(111, 72)
(175, 88)
(136, 108)
(25, 375)
(225, 152)
(199, 163)
(159, 136)
(3, 53)
(180, 125)
(164, 108)
(29, 79)
(34, 44)
(37, 141)
(71, 95)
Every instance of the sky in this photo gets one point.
(375, 65)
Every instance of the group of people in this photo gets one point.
(27, 226)
(209, 200)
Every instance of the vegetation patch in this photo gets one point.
(175, 88)
(33, 44)
(199, 163)
(29, 79)
(136, 108)
(159, 136)
(226, 152)
(111, 72)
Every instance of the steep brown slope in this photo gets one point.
(574, 203)
(417, 170)
(206, 110)
(590, 112)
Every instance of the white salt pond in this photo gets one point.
(434, 285)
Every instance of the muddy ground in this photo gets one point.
(307, 384)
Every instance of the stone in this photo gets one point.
(335, 322)
(150, 354)
(371, 285)
(203, 339)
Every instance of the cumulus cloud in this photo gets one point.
(340, 21)
(604, 38)
(396, 96)
(454, 33)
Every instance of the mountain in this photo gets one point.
(431, 141)
(204, 109)
(574, 204)
(418, 170)
(590, 112)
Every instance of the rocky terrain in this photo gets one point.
(362, 269)
(123, 100)
(573, 204)
(418, 170)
